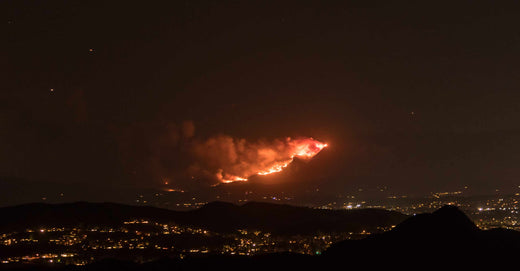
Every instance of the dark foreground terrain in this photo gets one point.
(215, 216)
(445, 239)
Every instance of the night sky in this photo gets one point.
(418, 96)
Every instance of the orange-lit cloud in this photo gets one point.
(232, 160)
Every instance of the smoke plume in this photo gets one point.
(229, 159)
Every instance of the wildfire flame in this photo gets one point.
(278, 157)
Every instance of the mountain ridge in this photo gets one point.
(216, 216)
(446, 235)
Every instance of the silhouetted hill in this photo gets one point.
(447, 221)
(78, 213)
(286, 219)
(446, 235)
(216, 216)
(443, 240)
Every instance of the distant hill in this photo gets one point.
(216, 216)
(444, 236)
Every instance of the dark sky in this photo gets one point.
(415, 95)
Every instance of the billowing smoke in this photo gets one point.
(229, 159)
(172, 155)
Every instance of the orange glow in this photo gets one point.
(227, 178)
(234, 179)
(273, 159)
(173, 190)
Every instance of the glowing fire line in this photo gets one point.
(304, 150)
